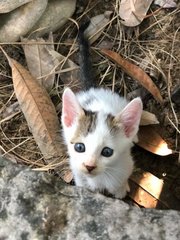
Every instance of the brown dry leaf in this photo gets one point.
(142, 197)
(150, 140)
(135, 72)
(148, 118)
(151, 192)
(67, 176)
(149, 182)
(97, 25)
(132, 12)
(40, 114)
(39, 61)
(166, 3)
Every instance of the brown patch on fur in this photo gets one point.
(86, 124)
(112, 124)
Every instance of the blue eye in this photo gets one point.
(79, 147)
(107, 152)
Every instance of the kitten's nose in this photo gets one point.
(90, 168)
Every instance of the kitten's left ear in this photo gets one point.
(71, 108)
(130, 117)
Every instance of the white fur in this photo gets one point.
(111, 173)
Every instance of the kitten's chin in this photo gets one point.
(91, 175)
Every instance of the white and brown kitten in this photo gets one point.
(99, 127)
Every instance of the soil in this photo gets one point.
(155, 40)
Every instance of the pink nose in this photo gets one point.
(90, 168)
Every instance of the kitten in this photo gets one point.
(99, 127)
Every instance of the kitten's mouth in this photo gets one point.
(91, 174)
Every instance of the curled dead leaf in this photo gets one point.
(166, 3)
(97, 25)
(148, 118)
(39, 60)
(150, 140)
(133, 12)
(135, 72)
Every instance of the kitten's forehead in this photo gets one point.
(87, 123)
(92, 122)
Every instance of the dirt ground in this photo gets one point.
(156, 39)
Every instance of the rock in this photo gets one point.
(10, 5)
(17, 23)
(35, 18)
(36, 205)
(56, 15)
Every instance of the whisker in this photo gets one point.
(122, 171)
(108, 179)
(111, 178)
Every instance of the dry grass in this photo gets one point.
(154, 45)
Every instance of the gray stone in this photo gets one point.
(17, 23)
(35, 205)
(55, 16)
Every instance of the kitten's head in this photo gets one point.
(96, 140)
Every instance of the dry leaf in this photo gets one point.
(40, 62)
(152, 68)
(148, 118)
(150, 140)
(17, 23)
(97, 25)
(152, 192)
(143, 190)
(67, 176)
(142, 197)
(39, 112)
(68, 70)
(132, 12)
(9, 112)
(135, 72)
(9, 5)
(105, 44)
(138, 92)
(149, 182)
(166, 3)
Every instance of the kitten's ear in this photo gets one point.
(130, 117)
(71, 108)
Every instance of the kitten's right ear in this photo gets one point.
(71, 108)
(130, 117)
